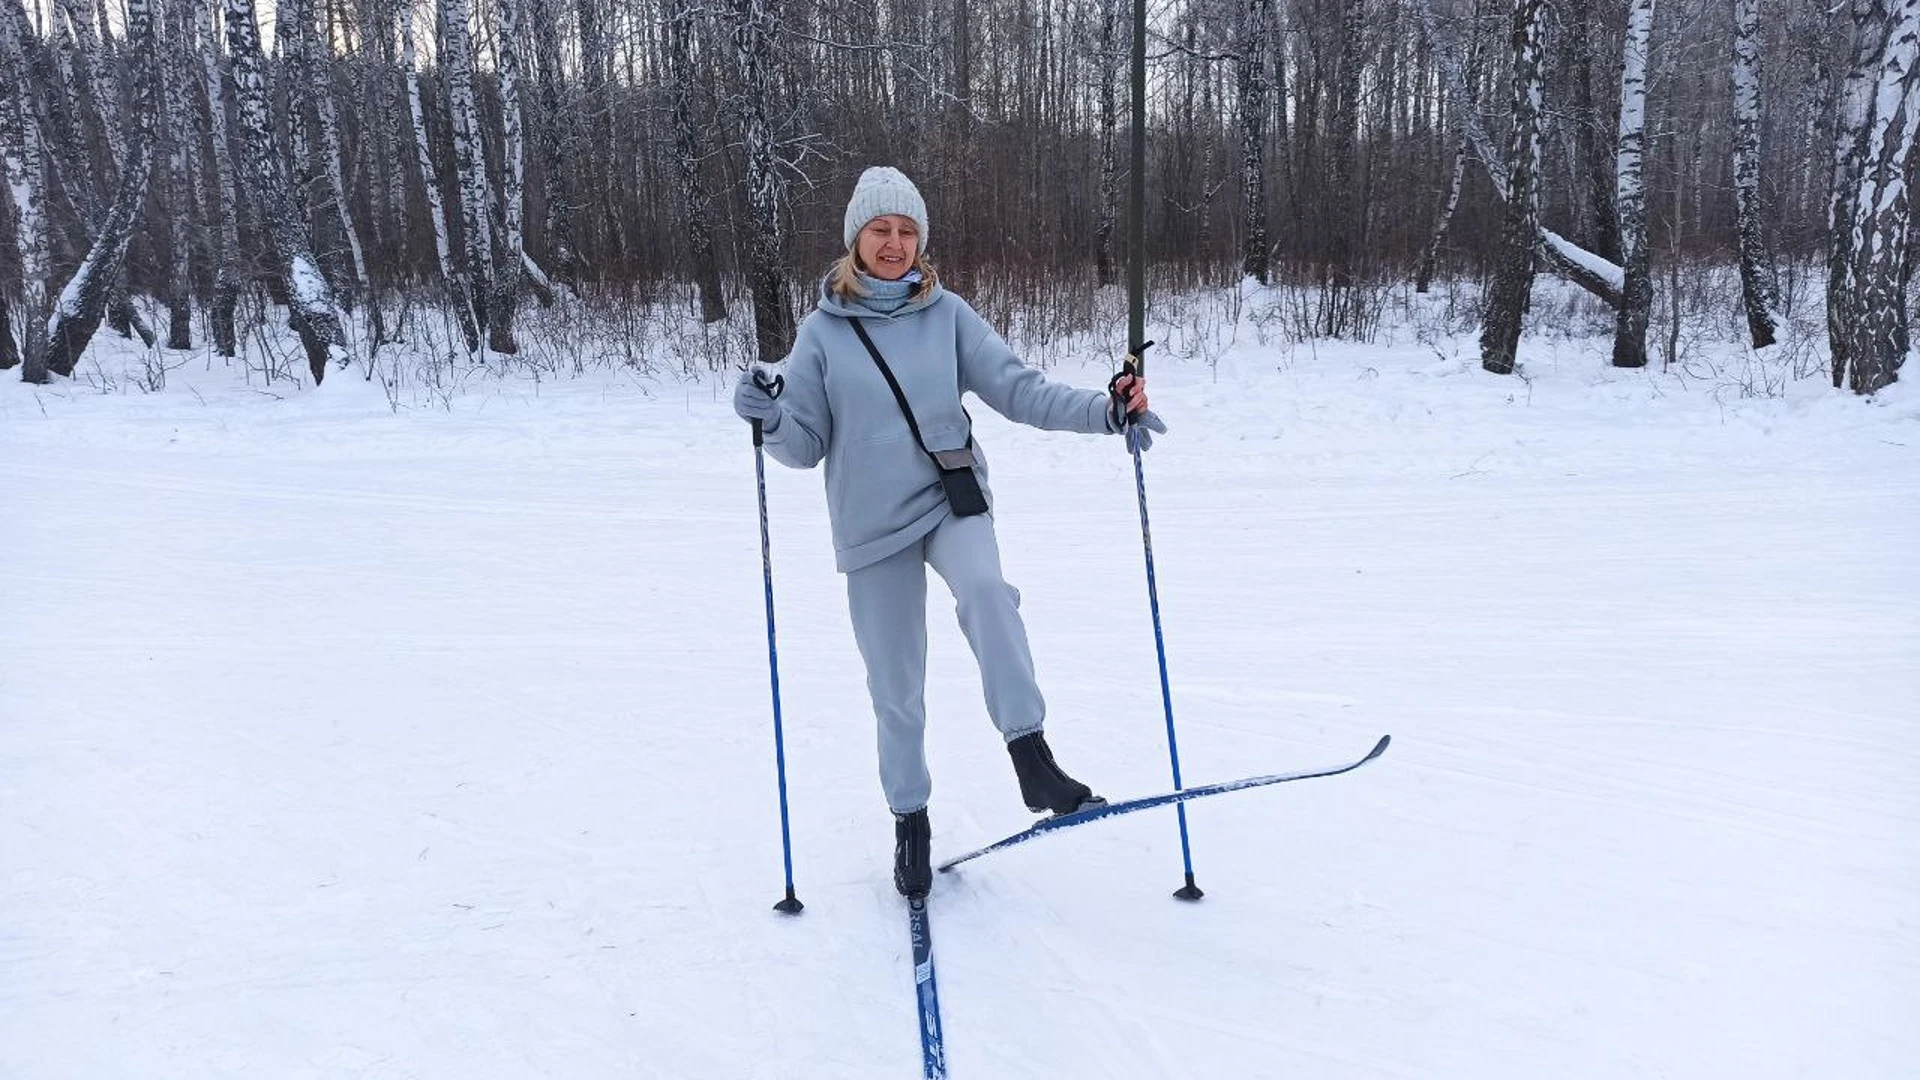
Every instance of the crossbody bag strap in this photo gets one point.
(893, 384)
(900, 395)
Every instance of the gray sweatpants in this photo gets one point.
(888, 602)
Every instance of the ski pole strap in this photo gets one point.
(1136, 363)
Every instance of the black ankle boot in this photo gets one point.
(1042, 784)
(912, 854)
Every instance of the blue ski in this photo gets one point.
(932, 1049)
(1128, 806)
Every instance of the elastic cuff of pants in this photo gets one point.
(1029, 731)
(904, 813)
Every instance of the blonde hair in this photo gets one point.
(844, 279)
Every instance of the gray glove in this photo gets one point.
(1145, 426)
(755, 398)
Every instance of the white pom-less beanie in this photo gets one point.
(884, 190)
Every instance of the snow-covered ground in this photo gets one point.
(341, 742)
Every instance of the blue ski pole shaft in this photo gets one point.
(790, 904)
(1189, 891)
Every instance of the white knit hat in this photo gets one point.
(884, 190)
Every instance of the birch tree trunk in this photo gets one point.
(384, 92)
(1869, 266)
(1464, 103)
(327, 126)
(1597, 275)
(559, 138)
(766, 188)
(1513, 276)
(470, 163)
(26, 184)
(226, 270)
(66, 167)
(513, 182)
(1250, 71)
(681, 29)
(1630, 194)
(1596, 168)
(179, 191)
(311, 305)
(457, 288)
(1759, 287)
(24, 162)
(84, 299)
(292, 27)
(1347, 211)
(97, 91)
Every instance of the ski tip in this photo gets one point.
(1378, 748)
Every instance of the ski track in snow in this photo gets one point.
(335, 743)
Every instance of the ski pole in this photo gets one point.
(790, 905)
(1136, 366)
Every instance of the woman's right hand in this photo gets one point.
(755, 397)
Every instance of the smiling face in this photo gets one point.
(887, 246)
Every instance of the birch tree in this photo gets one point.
(1596, 183)
(226, 211)
(1250, 70)
(1585, 269)
(319, 89)
(458, 289)
(22, 158)
(1760, 289)
(766, 243)
(1513, 276)
(470, 163)
(292, 29)
(1458, 119)
(681, 28)
(1870, 265)
(1630, 194)
(26, 181)
(178, 144)
(507, 270)
(312, 308)
(559, 136)
(101, 147)
(84, 299)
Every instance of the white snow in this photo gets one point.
(340, 742)
(1613, 274)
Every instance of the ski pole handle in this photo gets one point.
(773, 385)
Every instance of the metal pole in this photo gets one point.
(790, 904)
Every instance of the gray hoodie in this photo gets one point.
(882, 492)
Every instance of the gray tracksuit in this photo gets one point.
(889, 514)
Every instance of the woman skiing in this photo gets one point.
(873, 387)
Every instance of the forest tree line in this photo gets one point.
(353, 159)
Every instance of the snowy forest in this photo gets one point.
(185, 170)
